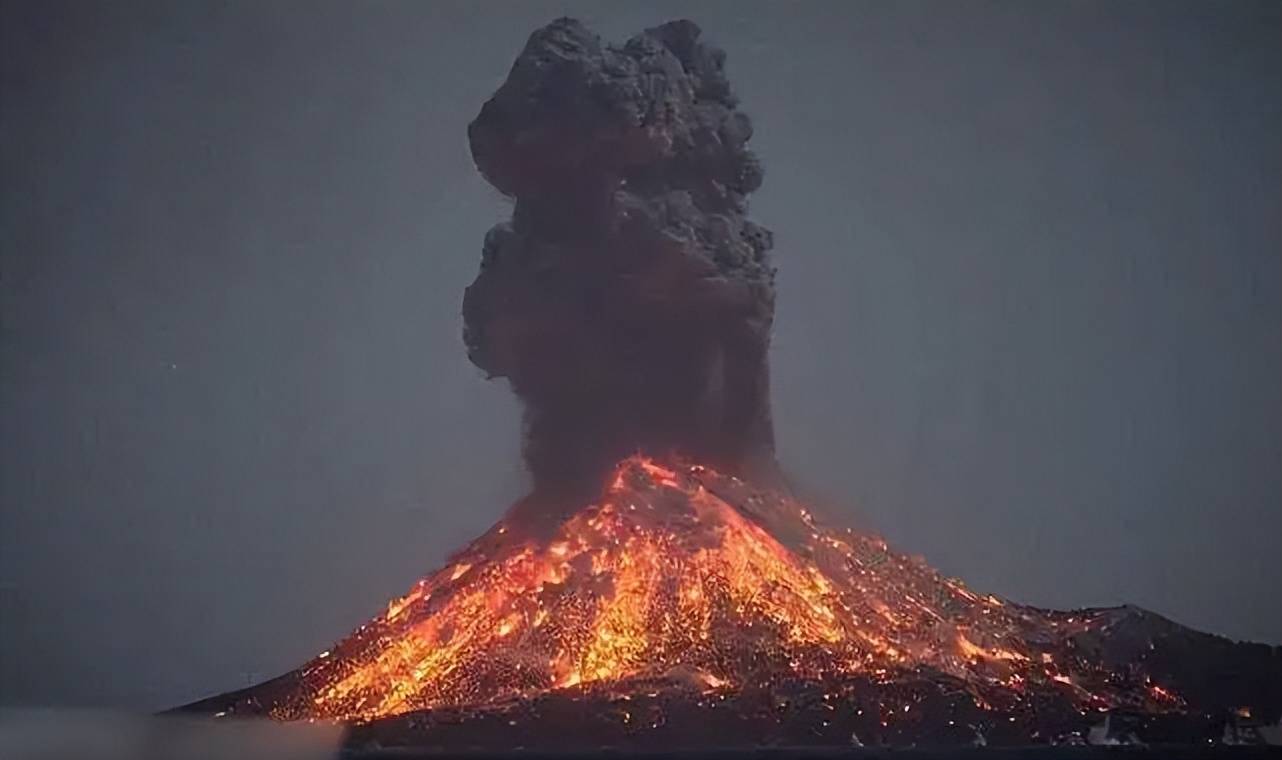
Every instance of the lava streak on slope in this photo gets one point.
(684, 576)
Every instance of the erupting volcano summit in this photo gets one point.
(660, 587)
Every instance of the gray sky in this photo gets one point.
(1028, 326)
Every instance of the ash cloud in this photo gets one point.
(629, 300)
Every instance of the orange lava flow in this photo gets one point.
(685, 575)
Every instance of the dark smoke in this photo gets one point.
(629, 300)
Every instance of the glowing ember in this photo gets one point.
(685, 575)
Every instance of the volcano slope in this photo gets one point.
(687, 608)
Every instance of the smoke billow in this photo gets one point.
(629, 300)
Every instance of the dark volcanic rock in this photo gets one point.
(1214, 674)
(928, 710)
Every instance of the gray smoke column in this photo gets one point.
(629, 300)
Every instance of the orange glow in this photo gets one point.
(683, 574)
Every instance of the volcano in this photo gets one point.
(686, 603)
(661, 586)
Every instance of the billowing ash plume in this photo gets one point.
(629, 300)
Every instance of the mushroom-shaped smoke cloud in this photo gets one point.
(628, 301)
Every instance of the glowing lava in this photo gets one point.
(688, 576)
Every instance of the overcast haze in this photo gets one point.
(1028, 324)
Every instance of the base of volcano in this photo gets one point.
(907, 713)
